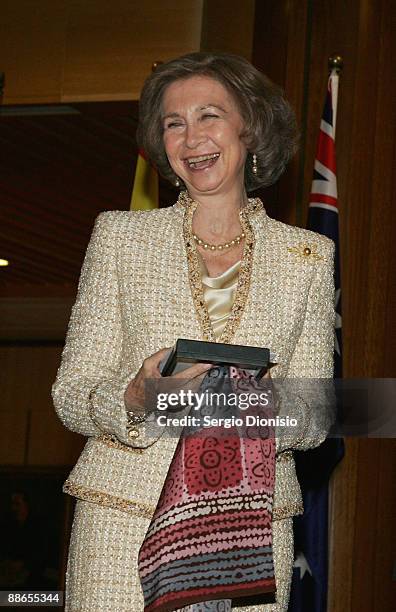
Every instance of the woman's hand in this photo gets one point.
(135, 393)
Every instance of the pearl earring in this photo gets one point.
(177, 182)
(254, 164)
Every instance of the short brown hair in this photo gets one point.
(270, 124)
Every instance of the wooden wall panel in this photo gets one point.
(50, 443)
(362, 533)
(14, 433)
(111, 47)
(361, 33)
(270, 48)
(227, 26)
(342, 517)
(82, 50)
(30, 432)
(27, 373)
(32, 40)
(365, 532)
(384, 586)
(363, 498)
(15, 383)
(279, 50)
(35, 318)
(380, 329)
(270, 53)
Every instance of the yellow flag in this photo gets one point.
(145, 194)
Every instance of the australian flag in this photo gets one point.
(314, 467)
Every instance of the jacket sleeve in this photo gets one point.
(88, 392)
(307, 392)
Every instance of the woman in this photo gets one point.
(212, 267)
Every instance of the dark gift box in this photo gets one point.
(187, 352)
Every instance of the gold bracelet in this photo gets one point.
(135, 419)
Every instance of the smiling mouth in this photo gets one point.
(200, 162)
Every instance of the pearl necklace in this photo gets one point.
(219, 247)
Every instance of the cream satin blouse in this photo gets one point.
(219, 294)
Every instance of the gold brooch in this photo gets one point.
(305, 251)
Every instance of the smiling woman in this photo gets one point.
(269, 125)
(212, 267)
(203, 137)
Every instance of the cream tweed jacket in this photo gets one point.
(139, 291)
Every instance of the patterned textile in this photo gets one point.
(211, 534)
(98, 582)
(217, 605)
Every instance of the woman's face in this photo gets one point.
(202, 135)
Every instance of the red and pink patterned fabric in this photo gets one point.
(211, 534)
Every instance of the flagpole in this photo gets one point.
(335, 64)
(309, 590)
